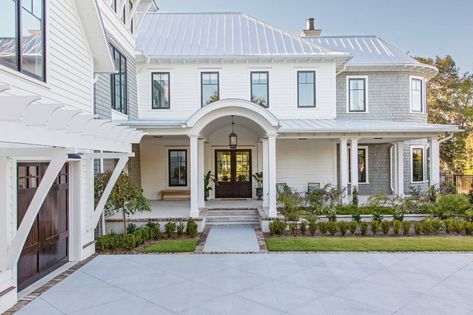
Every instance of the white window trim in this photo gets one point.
(348, 93)
(424, 164)
(423, 94)
(365, 147)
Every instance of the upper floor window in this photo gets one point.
(160, 90)
(131, 21)
(362, 165)
(260, 88)
(22, 34)
(357, 100)
(119, 85)
(113, 4)
(306, 88)
(416, 95)
(417, 164)
(209, 87)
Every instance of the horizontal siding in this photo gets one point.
(235, 83)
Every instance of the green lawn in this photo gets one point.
(172, 246)
(294, 244)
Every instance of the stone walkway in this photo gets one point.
(348, 283)
(231, 239)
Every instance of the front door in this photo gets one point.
(233, 170)
(46, 247)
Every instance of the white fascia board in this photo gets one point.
(94, 30)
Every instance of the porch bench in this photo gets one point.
(183, 193)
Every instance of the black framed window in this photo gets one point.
(119, 84)
(160, 90)
(209, 87)
(357, 95)
(306, 88)
(22, 37)
(260, 88)
(123, 18)
(417, 163)
(114, 5)
(362, 165)
(416, 95)
(177, 167)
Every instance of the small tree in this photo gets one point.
(126, 196)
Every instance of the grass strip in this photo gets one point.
(172, 246)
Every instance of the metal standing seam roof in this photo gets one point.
(365, 49)
(219, 34)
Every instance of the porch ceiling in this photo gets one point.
(226, 123)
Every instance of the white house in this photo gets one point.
(51, 55)
(306, 110)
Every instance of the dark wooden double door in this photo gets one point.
(233, 173)
(46, 247)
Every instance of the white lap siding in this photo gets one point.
(302, 161)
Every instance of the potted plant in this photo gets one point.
(209, 178)
(259, 184)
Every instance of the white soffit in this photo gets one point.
(95, 34)
(25, 121)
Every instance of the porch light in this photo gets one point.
(233, 138)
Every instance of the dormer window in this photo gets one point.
(417, 105)
(357, 94)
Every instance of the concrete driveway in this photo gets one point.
(420, 283)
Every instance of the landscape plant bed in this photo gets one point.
(172, 246)
(366, 244)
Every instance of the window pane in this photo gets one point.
(357, 95)
(224, 169)
(209, 88)
(416, 95)
(306, 89)
(119, 84)
(242, 166)
(32, 51)
(160, 93)
(417, 165)
(177, 168)
(8, 42)
(259, 88)
(362, 165)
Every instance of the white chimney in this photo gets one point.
(310, 30)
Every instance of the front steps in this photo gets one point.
(232, 216)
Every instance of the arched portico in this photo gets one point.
(210, 122)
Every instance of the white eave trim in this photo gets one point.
(428, 71)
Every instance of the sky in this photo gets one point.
(424, 28)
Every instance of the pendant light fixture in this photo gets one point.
(233, 138)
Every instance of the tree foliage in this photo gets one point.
(450, 101)
(126, 196)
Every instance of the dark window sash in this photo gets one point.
(261, 84)
(153, 105)
(119, 82)
(202, 84)
(362, 175)
(417, 165)
(170, 165)
(299, 86)
(349, 95)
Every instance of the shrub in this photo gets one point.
(377, 217)
(323, 227)
(374, 227)
(385, 227)
(363, 228)
(290, 201)
(293, 228)
(155, 232)
(332, 216)
(418, 227)
(399, 216)
(303, 227)
(449, 223)
(170, 227)
(353, 226)
(355, 196)
(448, 206)
(436, 226)
(468, 226)
(312, 225)
(458, 226)
(191, 228)
(151, 223)
(396, 227)
(468, 215)
(131, 228)
(356, 217)
(427, 227)
(277, 227)
(180, 227)
(343, 227)
(406, 227)
(332, 227)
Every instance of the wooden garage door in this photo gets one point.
(46, 247)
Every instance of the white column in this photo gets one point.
(354, 163)
(4, 228)
(194, 180)
(201, 173)
(400, 168)
(272, 175)
(344, 167)
(265, 174)
(434, 161)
